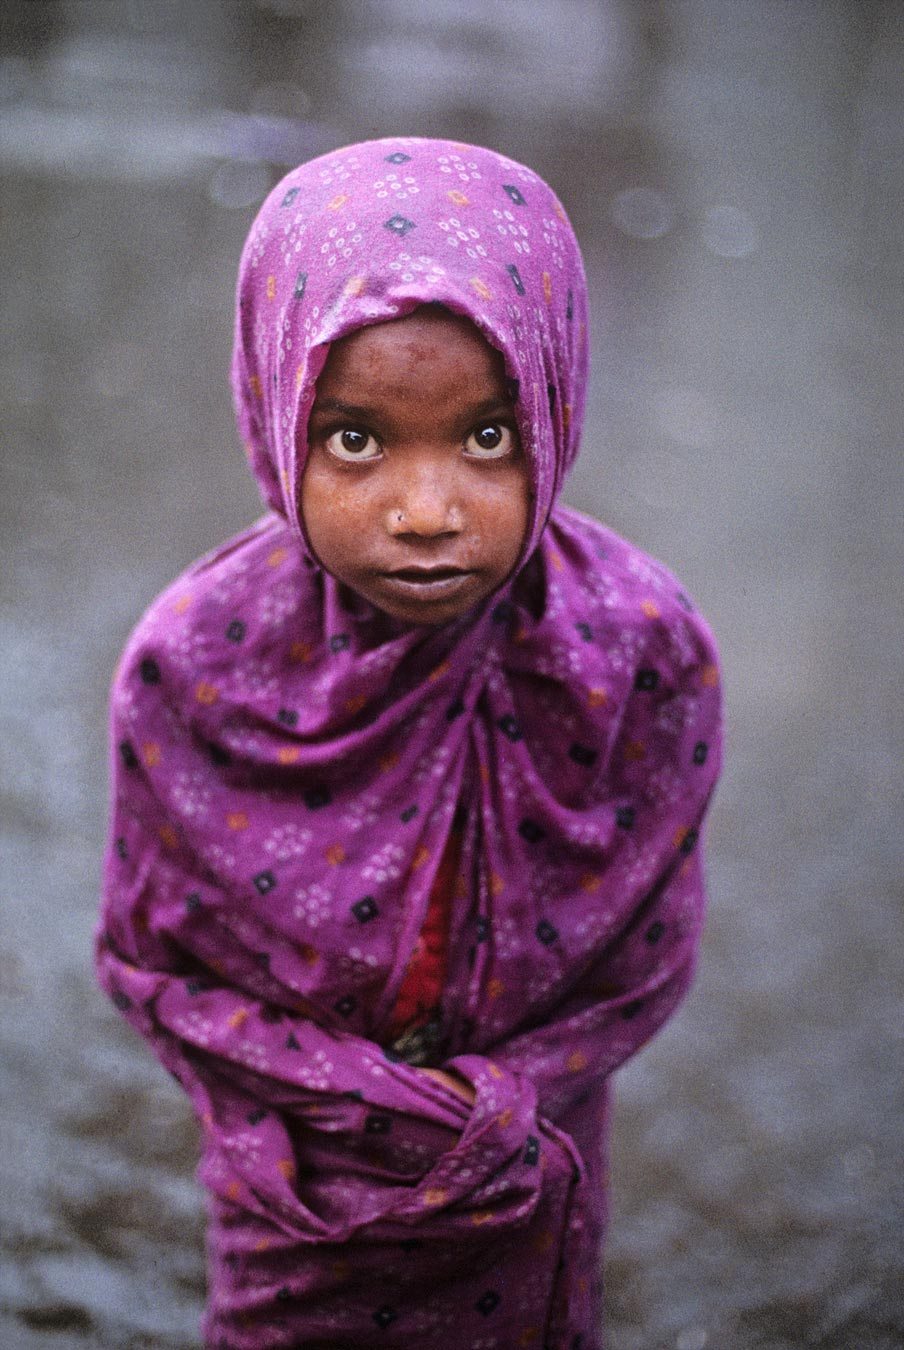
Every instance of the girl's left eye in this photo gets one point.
(491, 441)
(352, 445)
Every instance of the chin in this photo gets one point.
(427, 616)
(424, 611)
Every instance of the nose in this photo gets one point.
(424, 502)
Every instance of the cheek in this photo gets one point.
(502, 518)
(333, 519)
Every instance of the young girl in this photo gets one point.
(408, 781)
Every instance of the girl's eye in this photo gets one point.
(352, 445)
(491, 441)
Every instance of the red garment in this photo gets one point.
(421, 989)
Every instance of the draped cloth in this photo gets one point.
(289, 765)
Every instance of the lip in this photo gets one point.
(427, 581)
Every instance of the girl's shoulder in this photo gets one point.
(626, 597)
(211, 610)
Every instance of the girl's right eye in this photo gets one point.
(352, 445)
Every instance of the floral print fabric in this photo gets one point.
(289, 765)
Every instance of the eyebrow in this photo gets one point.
(361, 414)
(336, 405)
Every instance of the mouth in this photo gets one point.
(428, 581)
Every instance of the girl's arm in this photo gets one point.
(622, 1001)
(653, 879)
(273, 1087)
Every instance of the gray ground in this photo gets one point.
(734, 169)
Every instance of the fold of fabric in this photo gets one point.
(289, 765)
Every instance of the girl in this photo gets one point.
(408, 781)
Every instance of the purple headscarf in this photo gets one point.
(289, 764)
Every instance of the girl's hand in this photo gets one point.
(454, 1082)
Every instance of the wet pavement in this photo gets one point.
(734, 171)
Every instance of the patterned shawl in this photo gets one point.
(288, 764)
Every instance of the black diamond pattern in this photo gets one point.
(583, 755)
(129, 758)
(399, 225)
(688, 842)
(509, 727)
(516, 278)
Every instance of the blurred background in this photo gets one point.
(734, 172)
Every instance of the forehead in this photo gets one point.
(431, 346)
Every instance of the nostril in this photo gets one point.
(425, 518)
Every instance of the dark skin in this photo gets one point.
(416, 491)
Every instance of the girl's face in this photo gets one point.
(416, 491)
